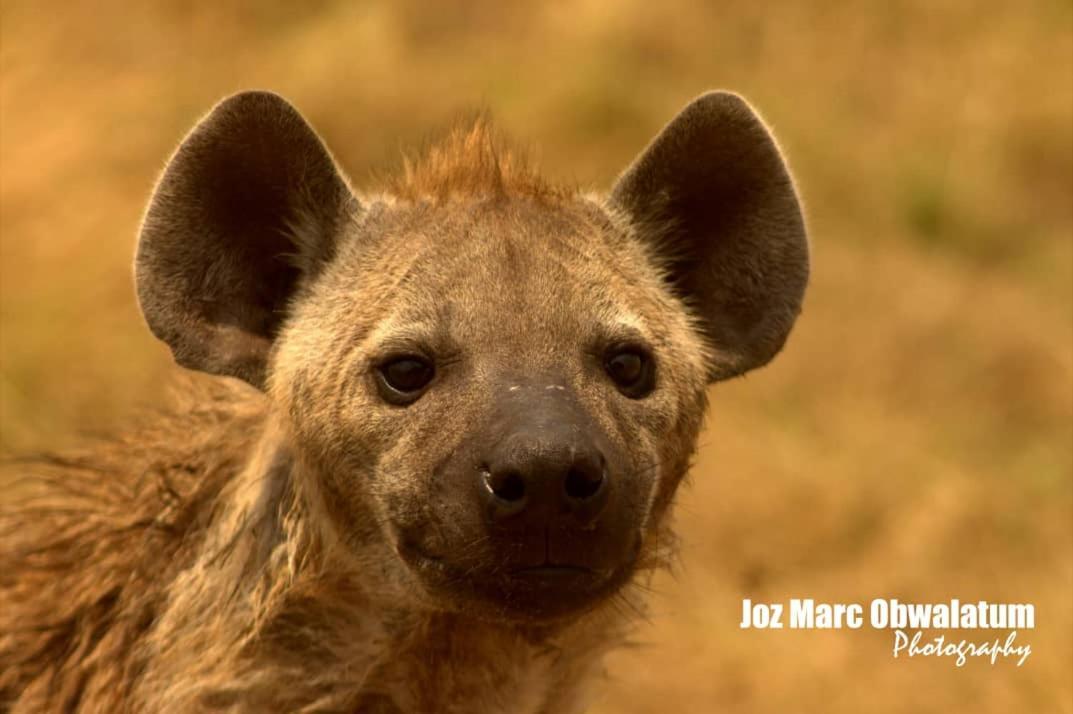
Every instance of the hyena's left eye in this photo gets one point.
(632, 370)
(401, 380)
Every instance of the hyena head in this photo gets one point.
(492, 385)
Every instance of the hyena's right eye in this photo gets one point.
(402, 379)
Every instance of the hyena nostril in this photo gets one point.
(507, 486)
(582, 484)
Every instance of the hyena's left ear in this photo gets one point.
(712, 194)
(248, 209)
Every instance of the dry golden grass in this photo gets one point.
(914, 441)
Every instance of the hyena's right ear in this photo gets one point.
(247, 209)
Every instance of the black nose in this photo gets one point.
(533, 481)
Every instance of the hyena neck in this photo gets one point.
(277, 612)
(451, 663)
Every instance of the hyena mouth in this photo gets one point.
(552, 570)
(549, 590)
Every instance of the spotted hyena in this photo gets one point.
(443, 436)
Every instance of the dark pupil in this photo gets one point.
(626, 368)
(407, 375)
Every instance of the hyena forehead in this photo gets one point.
(505, 270)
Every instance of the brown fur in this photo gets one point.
(136, 509)
(472, 162)
(241, 552)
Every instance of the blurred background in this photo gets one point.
(915, 439)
